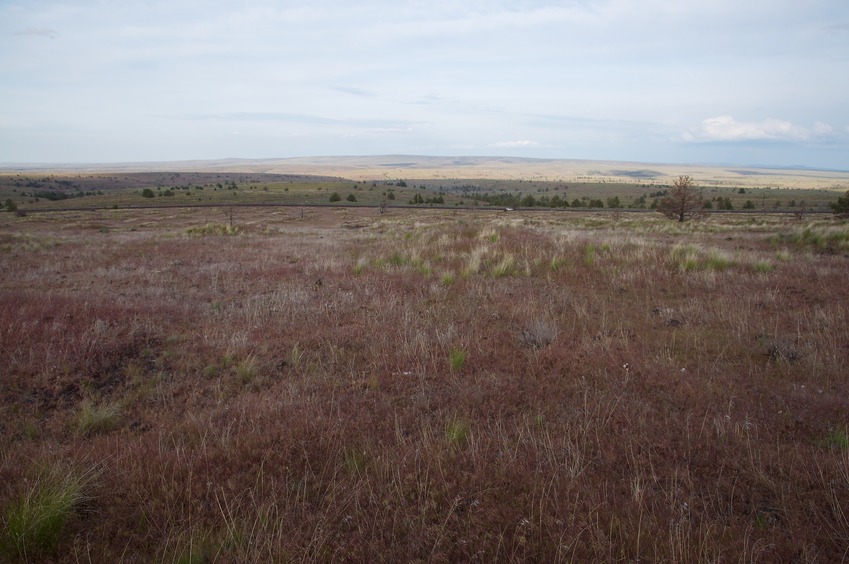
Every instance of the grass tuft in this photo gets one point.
(33, 524)
(213, 229)
(718, 260)
(837, 439)
(246, 370)
(360, 265)
(505, 267)
(589, 255)
(457, 432)
(538, 334)
(763, 267)
(98, 418)
(457, 359)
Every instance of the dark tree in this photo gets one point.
(683, 201)
(841, 206)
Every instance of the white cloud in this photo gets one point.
(726, 128)
(39, 31)
(520, 144)
(821, 129)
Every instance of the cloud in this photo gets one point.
(362, 93)
(39, 32)
(727, 129)
(376, 124)
(520, 144)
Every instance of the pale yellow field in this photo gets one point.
(390, 167)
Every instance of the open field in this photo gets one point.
(333, 384)
(413, 167)
(425, 181)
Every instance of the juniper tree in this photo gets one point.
(683, 201)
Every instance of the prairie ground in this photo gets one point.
(425, 385)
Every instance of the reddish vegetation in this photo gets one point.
(288, 393)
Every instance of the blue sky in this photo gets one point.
(699, 81)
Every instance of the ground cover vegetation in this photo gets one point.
(273, 384)
(22, 192)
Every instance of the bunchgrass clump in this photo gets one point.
(505, 267)
(686, 257)
(32, 525)
(473, 264)
(817, 236)
(718, 260)
(538, 334)
(96, 418)
(397, 260)
(246, 370)
(837, 439)
(296, 356)
(213, 229)
(783, 255)
(457, 359)
(360, 265)
(589, 255)
(457, 432)
(763, 267)
(557, 262)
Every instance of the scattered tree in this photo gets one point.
(528, 201)
(335, 197)
(147, 193)
(724, 204)
(683, 201)
(351, 198)
(841, 206)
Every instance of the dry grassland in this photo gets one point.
(413, 167)
(424, 385)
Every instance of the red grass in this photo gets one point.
(279, 405)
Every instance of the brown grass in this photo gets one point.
(290, 392)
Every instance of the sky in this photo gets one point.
(666, 81)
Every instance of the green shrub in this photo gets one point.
(335, 197)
